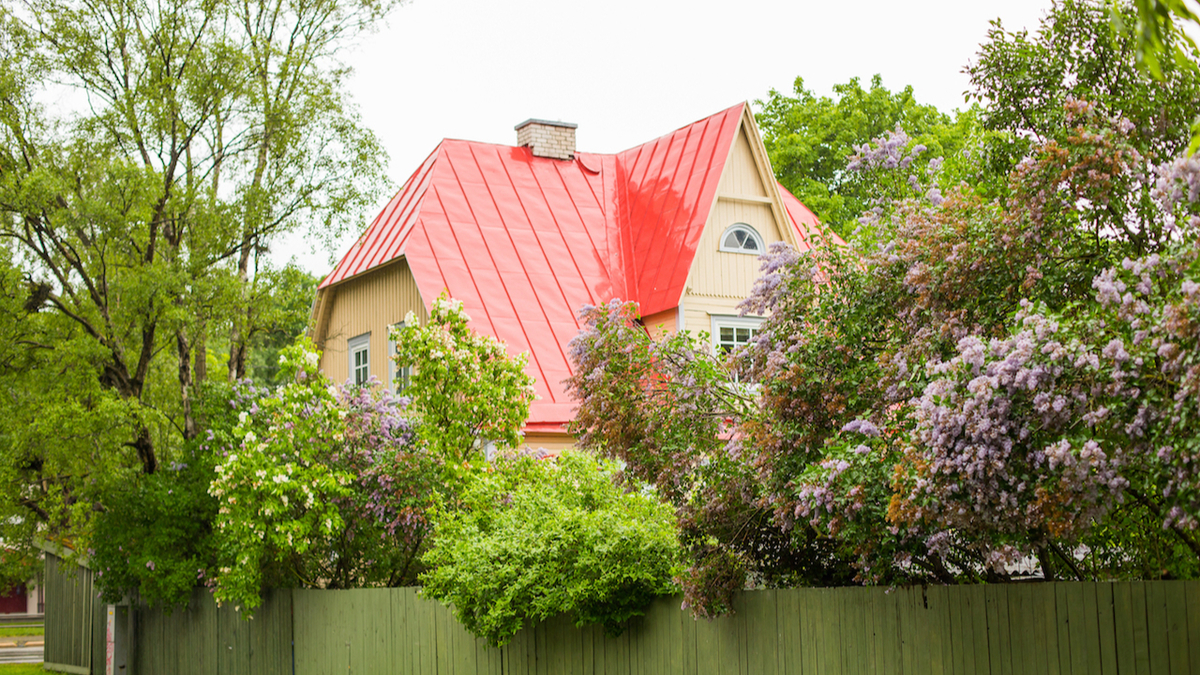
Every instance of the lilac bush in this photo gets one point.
(1045, 435)
(323, 486)
(976, 388)
(672, 412)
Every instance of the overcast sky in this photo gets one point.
(628, 71)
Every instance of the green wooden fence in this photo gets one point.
(1119, 628)
(74, 619)
(210, 640)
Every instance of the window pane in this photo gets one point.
(743, 335)
(726, 334)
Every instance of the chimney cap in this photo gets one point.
(533, 120)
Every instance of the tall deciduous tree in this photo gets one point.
(1023, 79)
(810, 139)
(194, 133)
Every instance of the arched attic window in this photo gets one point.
(741, 238)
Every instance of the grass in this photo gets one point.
(21, 669)
(14, 631)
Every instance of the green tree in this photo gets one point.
(1023, 79)
(279, 314)
(138, 220)
(810, 140)
(1156, 32)
(316, 485)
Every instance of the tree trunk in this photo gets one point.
(200, 371)
(186, 385)
(145, 449)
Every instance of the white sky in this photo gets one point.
(628, 71)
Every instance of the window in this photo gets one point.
(397, 376)
(741, 238)
(731, 332)
(360, 358)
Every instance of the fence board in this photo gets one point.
(1127, 628)
(1192, 593)
(1106, 628)
(1070, 609)
(957, 632)
(1175, 615)
(1141, 631)
(1156, 625)
(1123, 627)
(996, 617)
(810, 630)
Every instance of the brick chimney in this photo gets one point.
(547, 139)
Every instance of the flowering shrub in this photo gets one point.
(323, 487)
(974, 389)
(1037, 437)
(536, 538)
(466, 390)
(666, 409)
(331, 486)
(154, 539)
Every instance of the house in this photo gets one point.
(526, 235)
(24, 599)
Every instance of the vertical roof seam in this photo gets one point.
(525, 333)
(606, 263)
(658, 224)
(625, 227)
(351, 263)
(542, 249)
(409, 213)
(683, 195)
(450, 226)
(591, 298)
(708, 169)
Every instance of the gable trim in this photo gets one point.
(749, 199)
(757, 150)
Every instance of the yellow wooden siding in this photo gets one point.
(368, 304)
(723, 274)
(661, 323)
(698, 311)
(551, 442)
(741, 175)
(720, 280)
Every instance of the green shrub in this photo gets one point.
(535, 538)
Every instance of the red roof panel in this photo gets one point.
(525, 241)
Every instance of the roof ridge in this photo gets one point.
(363, 254)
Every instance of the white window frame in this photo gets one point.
(758, 240)
(728, 321)
(354, 346)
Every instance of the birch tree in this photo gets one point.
(151, 153)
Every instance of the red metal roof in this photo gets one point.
(525, 241)
(669, 185)
(805, 221)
